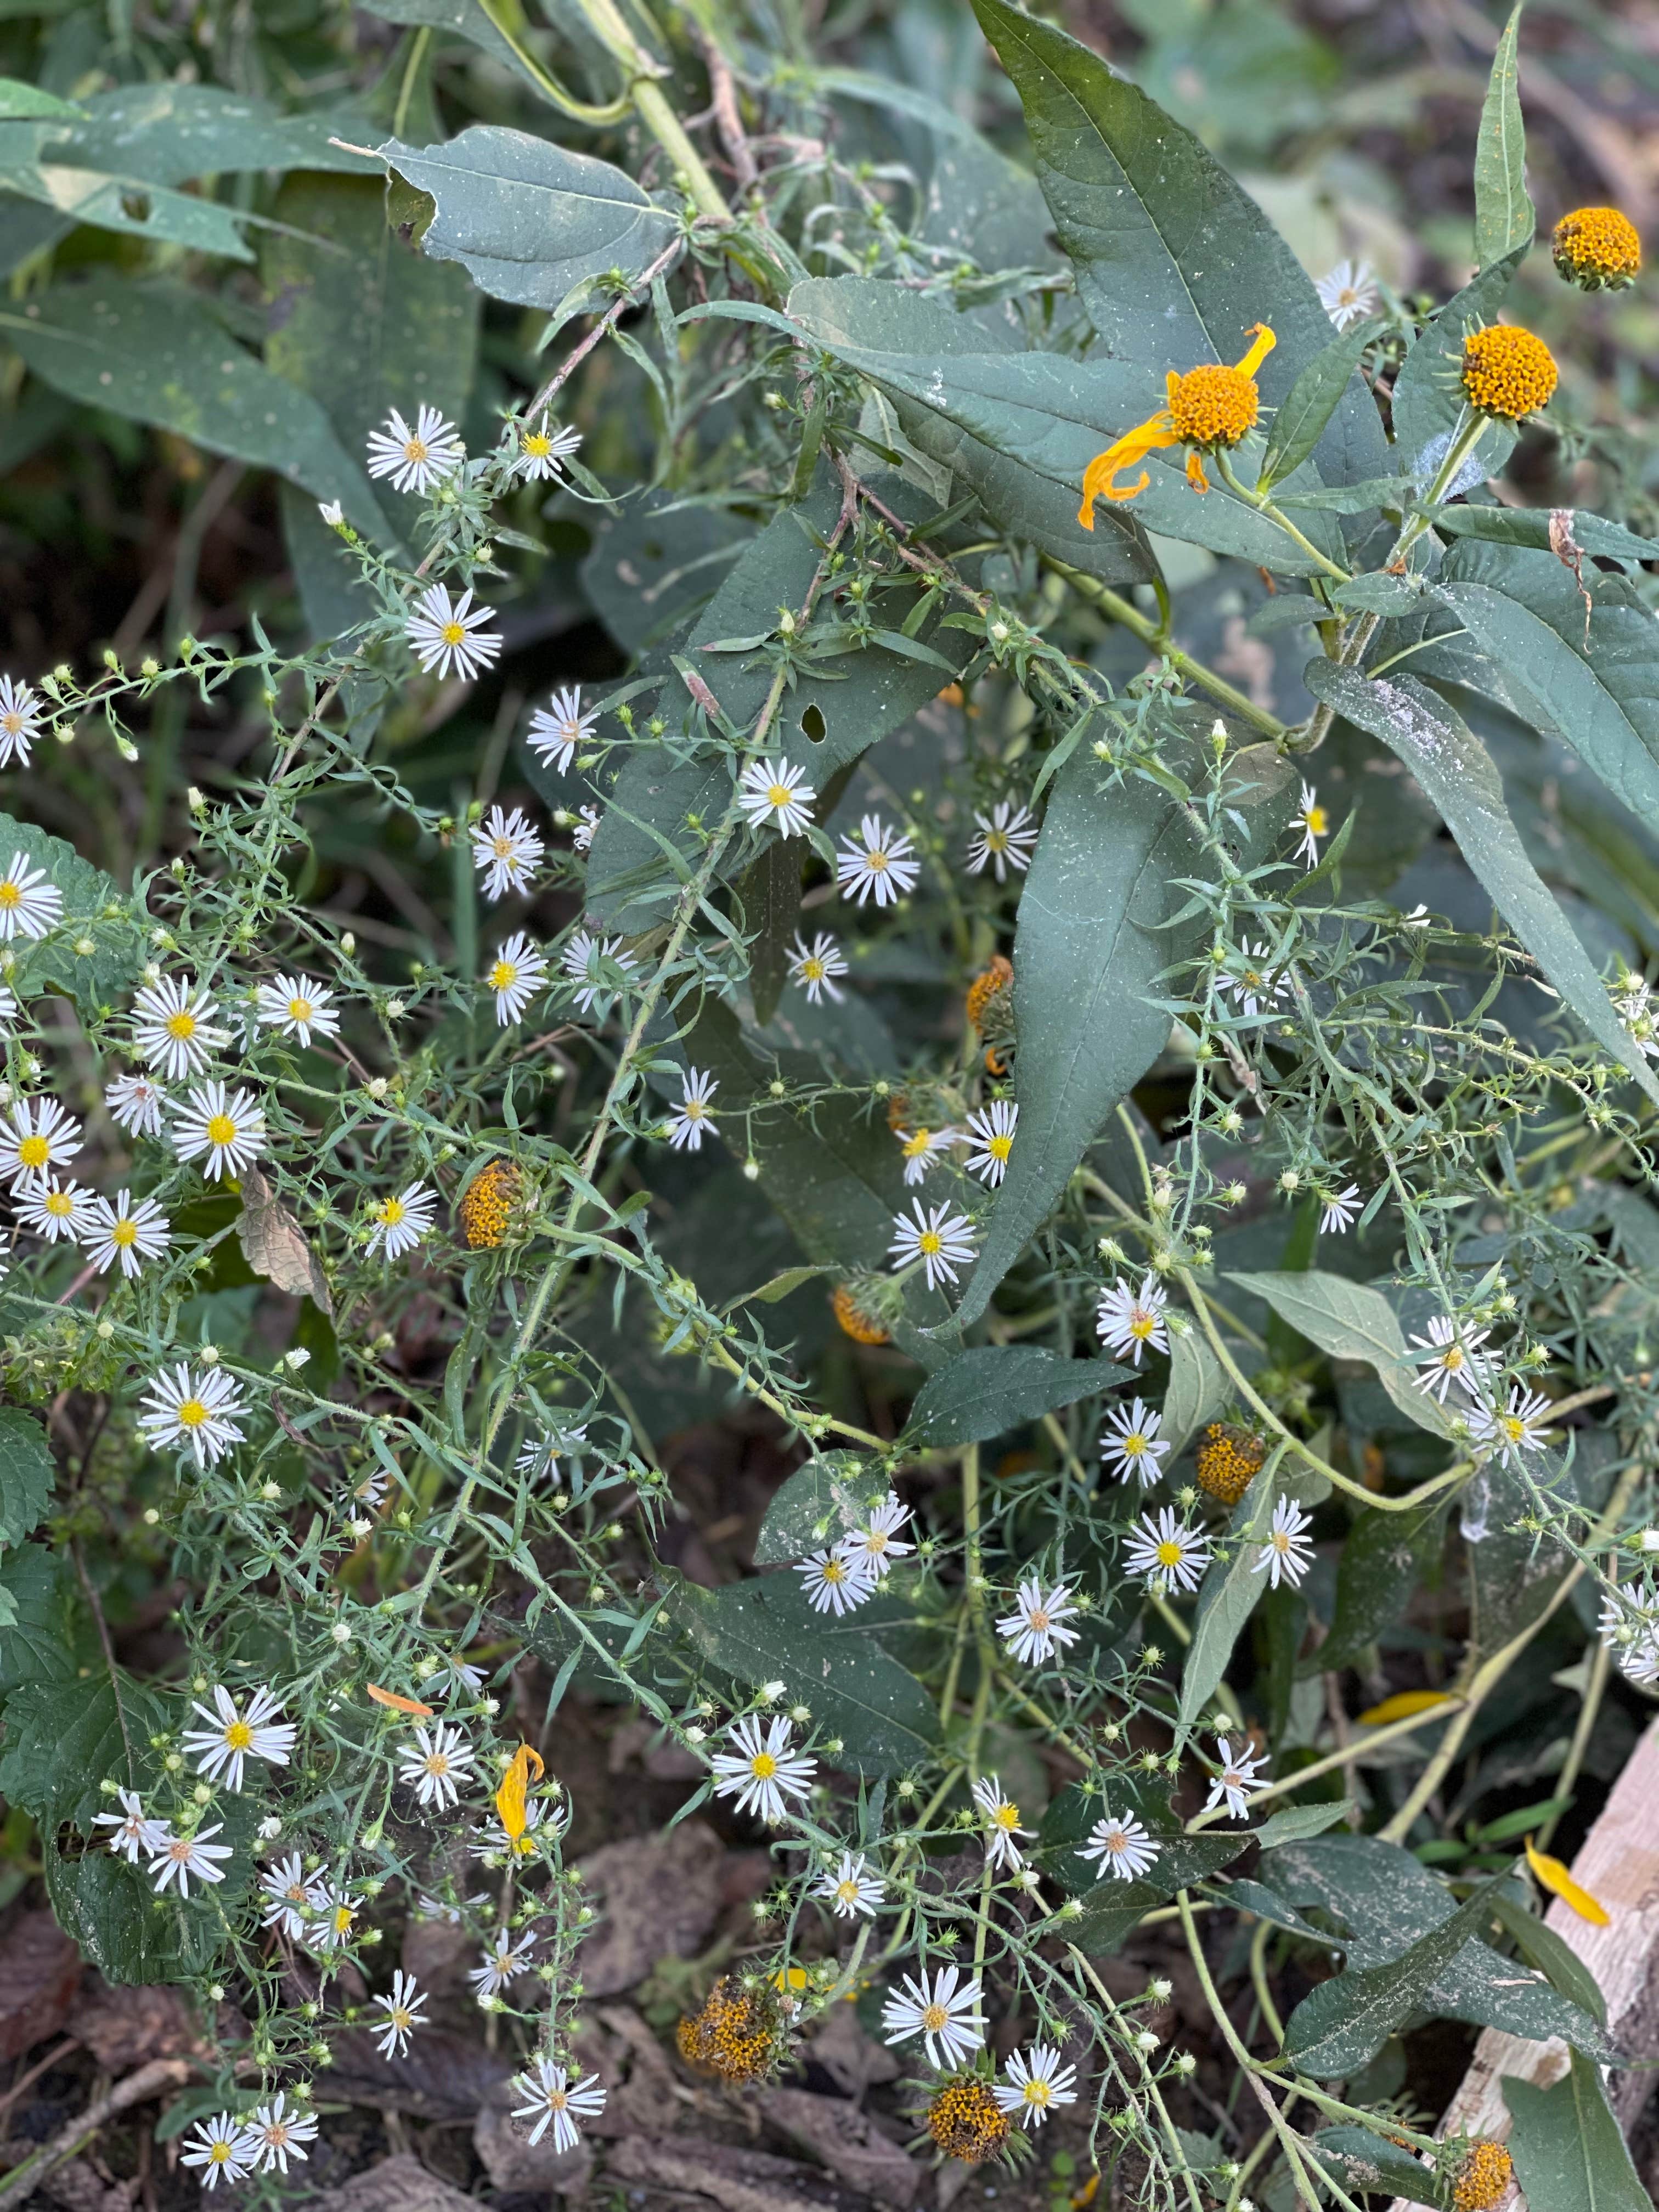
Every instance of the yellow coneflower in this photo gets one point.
(1209, 409)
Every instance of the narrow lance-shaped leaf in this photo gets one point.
(993, 1388)
(1312, 400)
(1504, 216)
(1570, 2152)
(1226, 1599)
(1349, 1320)
(1348, 2020)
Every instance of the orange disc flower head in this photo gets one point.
(1209, 409)
(1597, 247)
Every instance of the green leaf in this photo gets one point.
(778, 1287)
(1349, 1320)
(529, 219)
(128, 204)
(1368, 2161)
(157, 355)
(1503, 217)
(820, 1502)
(18, 100)
(991, 1388)
(1530, 526)
(27, 1475)
(1297, 1822)
(131, 1935)
(1457, 772)
(1112, 1909)
(765, 1630)
(93, 977)
(48, 1638)
(63, 1738)
(467, 19)
(1428, 397)
(1197, 1391)
(1384, 1559)
(1553, 1956)
(166, 132)
(1570, 2152)
(770, 895)
(1347, 2021)
(1226, 1598)
(1310, 402)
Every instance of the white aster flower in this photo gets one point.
(1036, 2084)
(941, 1239)
(991, 1130)
(582, 836)
(1001, 1817)
(506, 851)
(558, 728)
(1633, 1639)
(875, 861)
(199, 1410)
(402, 2010)
(1167, 1552)
(771, 794)
(135, 1102)
(1338, 1210)
(542, 450)
(437, 1769)
(1130, 1321)
(181, 1859)
(1450, 1353)
(331, 511)
(551, 2099)
(539, 1459)
(291, 1900)
(330, 1930)
(416, 458)
(812, 967)
(516, 975)
(1518, 1428)
(1235, 1780)
(56, 1208)
(295, 1006)
(173, 1027)
(228, 1126)
(446, 633)
(851, 1889)
(1035, 1625)
(1005, 838)
(877, 1541)
(917, 1148)
(222, 2149)
(1316, 823)
(401, 1220)
(1348, 293)
(41, 1136)
(837, 1581)
(1288, 1552)
(584, 961)
(279, 2132)
(135, 1831)
(19, 721)
(542, 1823)
(1255, 985)
(30, 902)
(8, 1005)
(504, 1961)
(233, 1736)
(943, 2009)
(1133, 1445)
(692, 1120)
(127, 1232)
(1120, 1846)
(764, 1769)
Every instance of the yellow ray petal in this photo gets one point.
(1133, 445)
(515, 1783)
(1196, 476)
(1554, 1876)
(1264, 343)
(1402, 1704)
(390, 1698)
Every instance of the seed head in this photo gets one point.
(966, 2122)
(487, 1209)
(1483, 2177)
(1228, 1461)
(863, 1327)
(733, 2036)
(987, 986)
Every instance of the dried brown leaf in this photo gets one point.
(275, 1245)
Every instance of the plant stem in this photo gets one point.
(1154, 635)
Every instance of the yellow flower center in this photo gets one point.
(1169, 1553)
(1213, 405)
(1134, 1444)
(875, 1539)
(503, 976)
(812, 970)
(1452, 1359)
(1512, 1426)
(415, 450)
(10, 896)
(847, 1893)
(1038, 2093)
(502, 847)
(1281, 1540)
(931, 1243)
(181, 1025)
(875, 860)
(834, 1572)
(60, 1204)
(1005, 1816)
(1317, 822)
(124, 1232)
(1142, 1323)
(34, 1152)
(538, 444)
(1507, 372)
(221, 1130)
(1038, 1619)
(694, 1110)
(342, 1918)
(239, 1736)
(300, 1010)
(436, 1763)
(1116, 1842)
(1000, 1147)
(453, 633)
(220, 2152)
(192, 1413)
(392, 1212)
(778, 794)
(996, 840)
(934, 2018)
(762, 1766)
(11, 723)
(401, 2018)
(557, 2100)
(917, 1146)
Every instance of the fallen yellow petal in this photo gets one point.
(1122, 454)
(515, 1783)
(1402, 1704)
(411, 1706)
(1554, 1876)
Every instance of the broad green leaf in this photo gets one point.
(1310, 402)
(820, 1502)
(1368, 2161)
(26, 1474)
(779, 1287)
(128, 204)
(467, 19)
(157, 355)
(1554, 1957)
(1297, 1822)
(123, 1929)
(1513, 1576)
(28, 102)
(657, 563)
(1226, 1598)
(48, 1637)
(1503, 217)
(1346, 2020)
(96, 913)
(526, 218)
(167, 133)
(1570, 2152)
(1384, 1559)
(1198, 1390)
(991, 1388)
(63, 1738)
(1428, 397)
(1456, 771)
(1349, 1320)
(765, 1630)
(1531, 526)
(771, 897)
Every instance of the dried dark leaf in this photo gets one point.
(275, 1246)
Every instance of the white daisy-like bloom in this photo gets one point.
(1035, 2083)
(1288, 1552)
(415, 459)
(331, 511)
(991, 1131)
(30, 902)
(1254, 985)
(551, 2098)
(401, 1220)
(173, 1027)
(942, 1239)
(447, 633)
(851, 1889)
(38, 1136)
(543, 450)
(764, 1769)
(875, 862)
(280, 2131)
(125, 1232)
(504, 1961)
(1236, 1778)
(558, 728)
(1131, 1321)
(582, 836)
(56, 1208)
(506, 851)
(692, 1120)
(19, 721)
(135, 1103)
(402, 2010)
(1632, 1638)
(516, 975)
(1120, 1846)
(200, 1412)
(1348, 293)
(1450, 1353)
(8, 1005)
(438, 1767)
(543, 1822)
(1005, 839)
(772, 794)
(540, 1456)
(1171, 1554)
(1036, 1625)
(296, 1006)
(917, 1149)
(877, 1541)
(136, 1833)
(943, 2009)
(837, 1581)
(291, 1900)
(1633, 1001)
(227, 1126)
(1001, 1817)
(222, 2149)
(583, 961)
(234, 1737)
(458, 1678)
(1338, 1209)
(335, 1916)
(813, 967)
(1132, 1445)
(1314, 822)
(1518, 1428)
(180, 1860)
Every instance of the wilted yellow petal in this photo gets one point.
(410, 1705)
(515, 1783)
(1265, 341)
(1402, 1704)
(1554, 1876)
(1122, 454)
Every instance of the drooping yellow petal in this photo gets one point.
(1554, 1876)
(1265, 341)
(390, 1698)
(1402, 1704)
(515, 1783)
(1122, 454)
(1196, 476)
